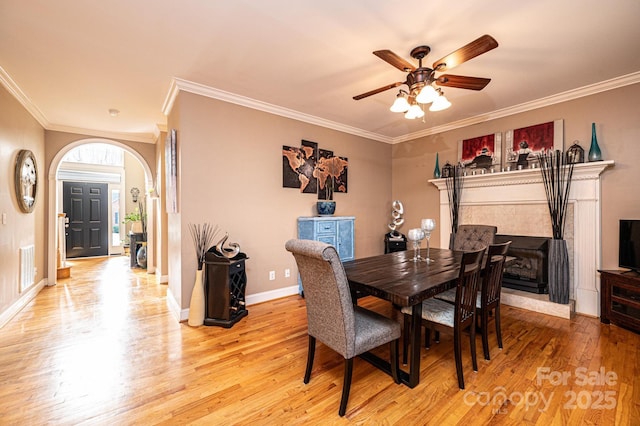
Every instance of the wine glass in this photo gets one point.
(428, 225)
(416, 235)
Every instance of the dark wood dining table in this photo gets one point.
(397, 278)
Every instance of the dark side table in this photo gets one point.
(394, 242)
(135, 242)
(225, 281)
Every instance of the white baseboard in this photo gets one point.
(161, 279)
(252, 299)
(25, 298)
(174, 308)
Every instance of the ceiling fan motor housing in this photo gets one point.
(419, 78)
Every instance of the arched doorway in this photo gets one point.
(54, 200)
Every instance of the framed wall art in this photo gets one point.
(298, 164)
(313, 170)
(482, 152)
(523, 144)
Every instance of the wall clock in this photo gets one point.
(26, 180)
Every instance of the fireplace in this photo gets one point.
(516, 203)
(529, 270)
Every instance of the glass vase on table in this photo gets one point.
(428, 225)
(416, 235)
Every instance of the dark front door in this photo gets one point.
(86, 207)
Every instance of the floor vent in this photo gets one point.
(27, 267)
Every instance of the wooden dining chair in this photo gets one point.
(488, 298)
(332, 317)
(439, 315)
(473, 237)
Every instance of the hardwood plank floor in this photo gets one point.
(102, 348)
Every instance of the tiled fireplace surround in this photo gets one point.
(516, 203)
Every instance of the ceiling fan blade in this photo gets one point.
(477, 47)
(395, 60)
(378, 90)
(462, 82)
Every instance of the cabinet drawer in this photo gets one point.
(326, 227)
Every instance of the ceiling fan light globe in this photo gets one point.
(440, 103)
(400, 104)
(414, 112)
(427, 95)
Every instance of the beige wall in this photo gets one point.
(230, 168)
(615, 113)
(19, 130)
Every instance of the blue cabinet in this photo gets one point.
(335, 230)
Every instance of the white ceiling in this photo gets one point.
(70, 61)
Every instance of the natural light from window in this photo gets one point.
(96, 153)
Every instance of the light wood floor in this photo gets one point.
(101, 348)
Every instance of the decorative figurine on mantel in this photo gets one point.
(447, 170)
(575, 154)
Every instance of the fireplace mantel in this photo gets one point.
(525, 187)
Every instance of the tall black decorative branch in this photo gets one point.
(557, 173)
(202, 236)
(455, 181)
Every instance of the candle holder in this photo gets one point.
(428, 225)
(416, 235)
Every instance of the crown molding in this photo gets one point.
(199, 89)
(13, 88)
(569, 95)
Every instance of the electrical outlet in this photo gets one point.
(272, 275)
(287, 273)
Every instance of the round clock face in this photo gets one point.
(26, 180)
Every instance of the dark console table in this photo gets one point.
(225, 281)
(135, 242)
(620, 299)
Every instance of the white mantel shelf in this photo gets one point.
(588, 171)
(526, 187)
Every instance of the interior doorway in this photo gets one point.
(62, 170)
(87, 209)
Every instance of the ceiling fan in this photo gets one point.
(420, 80)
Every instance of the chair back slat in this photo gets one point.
(330, 313)
(493, 272)
(467, 287)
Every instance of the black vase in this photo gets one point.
(558, 271)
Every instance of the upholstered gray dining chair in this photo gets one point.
(439, 315)
(332, 317)
(488, 298)
(474, 237)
